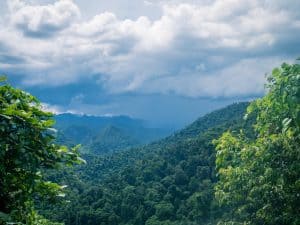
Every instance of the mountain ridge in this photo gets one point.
(83, 129)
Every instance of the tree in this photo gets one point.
(259, 180)
(27, 149)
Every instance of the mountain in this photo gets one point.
(96, 122)
(227, 116)
(102, 134)
(110, 139)
(168, 182)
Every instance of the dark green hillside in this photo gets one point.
(111, 139)
(167, 182)
(73, 134)
(223, 117)
(231, 113)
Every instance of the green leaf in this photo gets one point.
(286, 122)
(4, 216)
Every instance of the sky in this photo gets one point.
(167, 62)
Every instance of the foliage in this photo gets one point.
(259, 179)
(26, 151)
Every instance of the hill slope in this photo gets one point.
(111, 139)
(167, 182)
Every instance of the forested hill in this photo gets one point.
(117, 161)
(167, 182)
(105, 134)
(230, 114)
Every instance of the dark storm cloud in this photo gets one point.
(196, 49)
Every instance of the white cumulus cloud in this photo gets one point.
(42, 20)
(220, 48)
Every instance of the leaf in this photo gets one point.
(286, 122)
(62, 195)
(5, 116)
(80, 160)
(4, 216)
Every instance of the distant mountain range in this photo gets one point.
(103, 134)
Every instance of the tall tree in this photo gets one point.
(27, 148)
(259, 180)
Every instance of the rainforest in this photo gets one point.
(150, 112)
(235, 165)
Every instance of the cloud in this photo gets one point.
(201, 49)
(42, 21)
(243, 79)
(51, 108)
